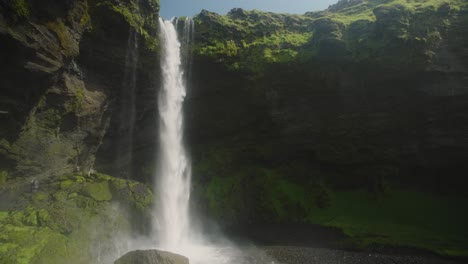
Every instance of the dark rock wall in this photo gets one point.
(104, 54)
(323, 98)
(61, 76)
(395, 118)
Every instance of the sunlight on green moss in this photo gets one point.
(57, 223)
(397, 33)
(139, 20)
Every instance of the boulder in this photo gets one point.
(152, 256)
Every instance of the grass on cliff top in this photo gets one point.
(348, 11)
(250, 40)
(402, 218)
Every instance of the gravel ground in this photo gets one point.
(305, 255)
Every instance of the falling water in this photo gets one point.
(172, 227)
(174, 174)
(106, 253)
(128, 107)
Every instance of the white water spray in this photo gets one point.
(172, 228)
(174, 173)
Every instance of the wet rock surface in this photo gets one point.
(151, 257)
(61, 80)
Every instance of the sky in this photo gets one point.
(176, 8)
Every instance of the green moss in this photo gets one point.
(285, 199)
(26, 243)
(3, 215)
(20, 8)
(401, 218)
(248, 40)
(102, 177)
(56, 230)
(79, 179)
(43, 217)
(66, 184)
(393, 33)
(40, 197)
(80, 96)
(278, 200)
(41, 149)
(219, 194)
(3, 177)
(49, 119)
(67, 42)
(85, 202)
(134, 18)
(30, 217)
(392, 217)
(98, 191)
(141, 21)
(85, 19)
(42, 102)
(227, 49)
(16, 218)
(60, 196)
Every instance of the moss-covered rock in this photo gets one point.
(352, 97)
(278, 200)
(20, 8)
(3, 177)
(24, 244)
(72, 227)
(40, 197)
(347, 31)
(55, 112)
(98, 191)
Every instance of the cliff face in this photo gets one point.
(65, 67)
(283, 112)
(366, 94)
(61, 78)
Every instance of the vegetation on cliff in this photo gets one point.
(386, 215)
(392, 32)
(312, 114)
(320, 112)
(142, 16)
(72, 219)
(54, 114)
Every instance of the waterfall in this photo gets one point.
(174, 172)
(128, 107)
(173, 230)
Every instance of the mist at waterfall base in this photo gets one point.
(174, 228)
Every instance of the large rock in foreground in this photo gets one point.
(151, 257)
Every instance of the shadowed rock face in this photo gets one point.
(291, 112)
(51, 113)
(360, 101)
(61, 78)
(151, 257)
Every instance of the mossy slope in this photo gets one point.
(401, 218)
(72, 219)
